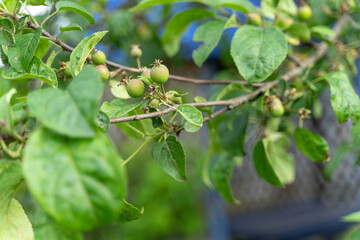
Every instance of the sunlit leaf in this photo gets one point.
(82, 51)
(74, 7)
(170, 156)
(344, 101)
(258, 52)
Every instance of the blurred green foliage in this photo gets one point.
(171, 209)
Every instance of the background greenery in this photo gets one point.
(172, 209)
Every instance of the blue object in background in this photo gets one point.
(114, 4)
(216, 216)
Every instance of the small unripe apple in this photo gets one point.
(135, 51)
(284, 23)
(135, 88)
(254, 19)
(66, 70)
(104, 72)
(276, 107)
(159, 73)
(304, 12)
(293, 41)
(98, 58)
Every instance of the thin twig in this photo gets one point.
(294, 59)
(138, 63)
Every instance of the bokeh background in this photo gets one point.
(310, 208)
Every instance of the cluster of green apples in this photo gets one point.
(158, 74)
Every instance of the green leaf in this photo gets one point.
(191, 114)
(6, 114)
(353, 217)
(36, 2)
(83, 184)
(21, 54)
(82, 51)
(43, 47)
(258, 52)
(37, 69)
(312, 145)
(7, 31)
(129, 213)
(176, 26)
(281, 7)
(209, 34)
(271, 160)
(58, 111)
(10, 178)
(148, 81)
(22, 22)
(344, 101)
(87, 98)
(299, 30)
(19, 110)
(231, 22)
(118, 108)
(243, 6)
(220, 175)
(355, 235)
(263, 165)
(45, 229)
(11, 5)
(5, 86)
(74, 7)
(170, 156)
(190, 128)
(51, 58)
(71, 27)
(323, 32)
(103, 121)
(232, 132)
(15, 224)
(118, 90)
(71, 113)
